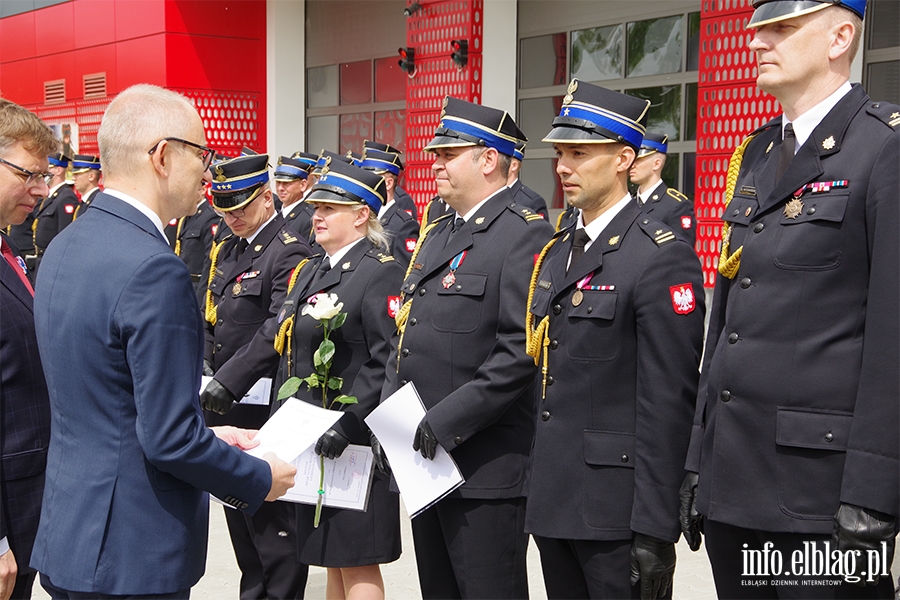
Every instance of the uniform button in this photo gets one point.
(550, 380)
(219, 322)
(218, 346)
(590, 309)
(403, 382)
(829, 437)
(405, 352)
(554, 345)
(725, 395)
(811, 211)
(413, 321)
(745, 282)
(732, 338)
(758, 227)
(557, 309)
(624, 458)
(457, 440)
(645, 221)
(421, 291)
(213, 286)
(458, 288)
(545, 416)
(736, 212)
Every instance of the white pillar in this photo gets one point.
(498, 77)
(285, 77)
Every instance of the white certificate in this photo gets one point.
(347, 479)
(422, 482)
(294, 427)
(259, 394)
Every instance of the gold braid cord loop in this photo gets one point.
(286, 329)
(538, 338)
(178, 236)
(213, 259)
(729, 262)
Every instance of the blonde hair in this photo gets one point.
(18, 124)
(376, 233)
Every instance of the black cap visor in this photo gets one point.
(236, 200)
(779, 10)
(332, 194)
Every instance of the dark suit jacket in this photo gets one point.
(123, 509)
(248, 293)
(464, 345)
(367, 281)
(797, 409)
(24, 418)
(403, 231)
(622, 366)
(299, 218)
(405, 202)
(674, 209)
(527, 197)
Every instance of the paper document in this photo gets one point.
(296, 426)
(259, 394)
(347, 478)
(422, 482)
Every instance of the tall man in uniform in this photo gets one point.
(123, 512)
(251, 274)
(86, 173)
(56, 210)
(653, 196)
(25, 143)
(461, 341)
(796, 428)
(616, 325)
(402, 227)
(291, 185)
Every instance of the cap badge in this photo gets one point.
(279, 161)
(327, 167)
(220, 175)
(828, 143)
(569, 91)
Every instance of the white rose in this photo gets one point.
(323, 307)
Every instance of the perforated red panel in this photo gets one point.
(729, 107)
(86, 113)
(430, 31)
(231, 120)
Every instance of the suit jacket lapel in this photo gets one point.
(609, 240)
(123, 210)
(10, 280)
(261, 241)
(350, 260)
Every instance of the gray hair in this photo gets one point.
(136, 119)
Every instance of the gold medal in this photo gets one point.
(236, 289)
(793, 208)
(577, 297)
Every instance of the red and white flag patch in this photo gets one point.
(410, 244)
(393, 306)
(686, 222)
(214, 229)
(173, 222)
(683, 300)
(70, 209)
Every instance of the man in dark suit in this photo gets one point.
(653, 196)
(616, 324)
(796, 427)
(25, 143)
(56, 210)
(292, 185)
(401, 227)
(124, 513)
(461, 341)
(250, 281)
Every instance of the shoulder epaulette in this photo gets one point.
(287, 237)
(676, 194)
(776, 122)
(659, 233)
(379, 255)
(885, 111)
(525, 213)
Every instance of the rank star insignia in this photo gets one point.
(895, 115)
(828, 143)
(614, 240)
(793, 208)
(566, 112)
(769, 147)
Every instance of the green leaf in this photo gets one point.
(289, 388)
(338, 320)
(345, 399)
(313, 381)
(335, 383)
(325, 353)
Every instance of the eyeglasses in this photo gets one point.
(207, 153)
(31, 177)
(238, 213)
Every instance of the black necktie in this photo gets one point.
(579, 241)
(324, 267)
(457, 224)
(787, 150)
(241, 246)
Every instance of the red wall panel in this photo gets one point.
(224, 18)
(136, 18)
(99, 59)
(141, 60)
(59, 66)
(54, 29)
(19, 82)
(17, 37)
(95, 22)
(227, 64)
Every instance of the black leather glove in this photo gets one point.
(216, 398)
(332, 444)
(653, 564)
(690, 519)
(425, 441)
(378, 455)
(864, 529)
(207, 369)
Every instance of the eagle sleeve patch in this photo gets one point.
(393, 306)
(683, 300)
(410, 244)
(70, 209)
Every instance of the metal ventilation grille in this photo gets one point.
(55, 91)
(95, 85)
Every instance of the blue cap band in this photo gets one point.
(375, 164)
(57, 163)
(503, 146)
(367, 194)
(237, 184)
(631, 132)
(85, 165)
(291, 171)
(653, 145)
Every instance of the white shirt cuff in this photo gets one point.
(4, 546)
